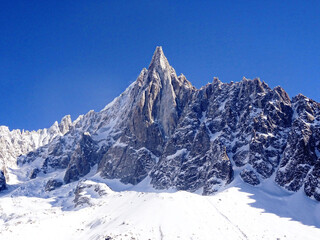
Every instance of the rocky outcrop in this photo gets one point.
(299, 166)
(53, 184)
(87, 191)
(249, 177)
(84, 157)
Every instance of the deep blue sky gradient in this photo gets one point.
(67, 57)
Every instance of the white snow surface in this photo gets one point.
(140, 212)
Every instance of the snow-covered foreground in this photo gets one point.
(238, 212)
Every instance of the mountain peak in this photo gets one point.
(158, 59)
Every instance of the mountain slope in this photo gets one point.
(137, 169)
(190, 139)
(91, 210)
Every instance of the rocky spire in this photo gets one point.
(162, 92)
(159, 60)
(65, 124)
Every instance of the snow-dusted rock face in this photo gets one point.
(181, 137)
(158, 100)
(16, 143)
(300, 163)
(86, 191)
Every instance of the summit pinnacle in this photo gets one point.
(159, 59)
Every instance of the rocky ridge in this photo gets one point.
(16, 143)
(181, 137)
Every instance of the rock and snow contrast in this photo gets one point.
(165, 160)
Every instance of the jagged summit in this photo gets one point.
(159, 59)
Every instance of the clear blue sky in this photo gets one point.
(67, 57)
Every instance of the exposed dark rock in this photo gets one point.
(300, 163)
(53, 184)
(84, 157)
(34, 173)
(249, 177)
(3, 184)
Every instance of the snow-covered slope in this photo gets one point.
(91, 210)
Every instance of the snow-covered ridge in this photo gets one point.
(16, 142)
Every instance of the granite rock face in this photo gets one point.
(84, 157)
(299, 166)
(164, 130)
(159, 97)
